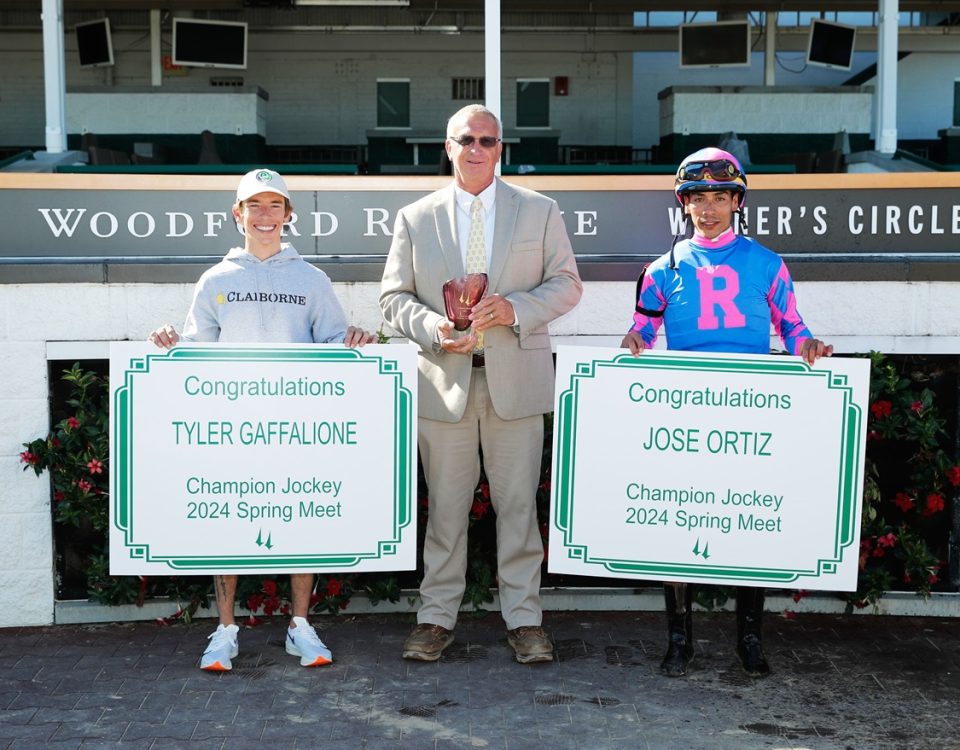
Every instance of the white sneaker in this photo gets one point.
(304, 642)
(223, 647)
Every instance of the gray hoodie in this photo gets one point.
(281, 300)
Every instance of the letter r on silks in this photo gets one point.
(719, 286)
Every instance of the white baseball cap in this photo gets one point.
(261, 181)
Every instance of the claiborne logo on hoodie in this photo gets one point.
(283, 299)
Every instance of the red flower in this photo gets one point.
(58, 496)
(903, 501)
(935, 504)
(254, 602)
(799, 594)
(479, 509)
(270, 606)
(953, 475)
(55, 443)
(334, 587)
(887, 540)
(270, 587)
(485, 491)
(906, 578)
(26, 457)
(789, 614)
(881, 409)
(95, 466)
(917, 407)
(84, 485)
(73, 423)
(252, 621)
(932, 579)
(873, 435)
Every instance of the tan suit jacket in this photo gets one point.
(531, 264)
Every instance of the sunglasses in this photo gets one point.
(487, 141)
(719, 169)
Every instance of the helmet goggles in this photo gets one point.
(717, 170)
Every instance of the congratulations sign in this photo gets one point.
(262, 458)
(716, 468)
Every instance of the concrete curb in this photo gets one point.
(897, 603)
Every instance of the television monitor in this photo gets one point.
(93, 43)
(209, 44)
(831, 44)
(723, 44)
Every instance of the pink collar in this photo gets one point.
(722, 239)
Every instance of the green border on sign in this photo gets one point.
(403, 476)
(848, 486)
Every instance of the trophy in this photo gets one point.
(460, 295)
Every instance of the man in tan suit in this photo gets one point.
(492, 398)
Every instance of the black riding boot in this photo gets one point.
(678, 598)
(749, 647)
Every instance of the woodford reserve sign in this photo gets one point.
(140, 218)
(715, 468)
(262, 458)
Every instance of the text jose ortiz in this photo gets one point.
(721, 508)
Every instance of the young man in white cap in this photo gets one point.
(264, 292)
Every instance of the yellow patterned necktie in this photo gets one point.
(476, 249)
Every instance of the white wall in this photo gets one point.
(755, 109)
(655, 71)
(925, 93)
(854, 316)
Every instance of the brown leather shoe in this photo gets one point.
(426, 642)
(531, 644)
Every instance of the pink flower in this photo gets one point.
(95, 466)
(887, 540)
(26, 457)
(73, 423)
(916, 407)
(84, 485)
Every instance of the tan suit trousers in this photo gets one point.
(512, 453)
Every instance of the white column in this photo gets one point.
(886, 106)
(54, 76)
(156, 70)
(770, 50)
(491, 57)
